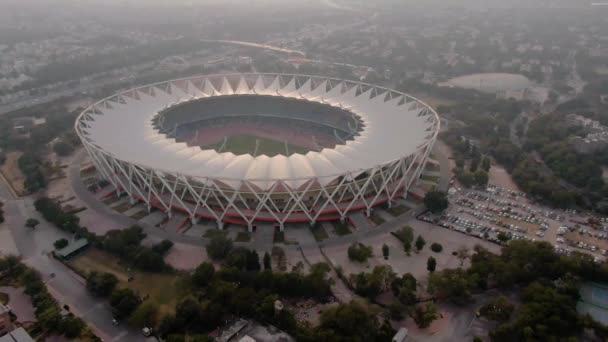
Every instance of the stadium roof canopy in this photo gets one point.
(395, 125)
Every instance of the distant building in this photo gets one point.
(17, 335)
(71, 249)
(5, 321)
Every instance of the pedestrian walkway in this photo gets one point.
(263, 238)
(360, 221)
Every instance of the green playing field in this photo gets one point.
(245, 143)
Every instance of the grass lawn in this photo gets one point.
(165, 289)
(377, 219)
(319, 232)
(211, 233)
(398, 210)
(245, 143)
(140, 214)
(121, 208)
(3, 298)
(243, 237)
(341, 228)
(430, 178)
(432, 167)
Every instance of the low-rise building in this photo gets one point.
(17, 335)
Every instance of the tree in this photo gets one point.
(436, 247)
(436, 201)
(101, 284)
(452, 284)
(385, 251)
(219, 247)
(503, 237)
(425, 315)
(351, 322)
(267, 262)
(253, 261)
(61, 243)
(145, 315)
(481, 178)
(162, 247)
(431, 263)
(499, 309)
(70, 327)
(406, 236)
(462, 254)
(486, 164)
(123, 302)
(420, 243)
(359, 252)
(203, 274)
(31, 223)
(63, 148)
(188, 313)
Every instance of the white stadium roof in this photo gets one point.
(395, 126)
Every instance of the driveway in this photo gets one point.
(20, 303)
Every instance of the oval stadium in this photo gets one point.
(249, 149)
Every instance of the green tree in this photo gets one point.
(486, 164)
(219, 247)
(61, 243)
(71, 327)
(424, 315)
(451, 284)
(101, 284)
(188, 313)
(385, 251)
(253, 261)
(462, 254)
(503, 237)
(351, 322)
(436, 201)
(63, 148)
(499, 309)
(406, 236)
(436, 247)
(431, 264)
(420, 243)
(359, 252)
(203, 274)
(124, 302)
(145, 315)
(481, 178)
(267, 262)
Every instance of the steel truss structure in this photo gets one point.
(152, 168)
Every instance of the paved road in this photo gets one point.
(34, 246)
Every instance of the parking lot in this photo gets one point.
(496, 214)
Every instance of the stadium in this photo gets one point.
(253, 149)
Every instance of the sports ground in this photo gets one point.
(254, 145)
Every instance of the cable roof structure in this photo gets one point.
(386, 148)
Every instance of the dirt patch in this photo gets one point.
(12, 173)
(500, 177)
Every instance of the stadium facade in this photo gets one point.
(391, 136)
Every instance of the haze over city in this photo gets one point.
(322, 170)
